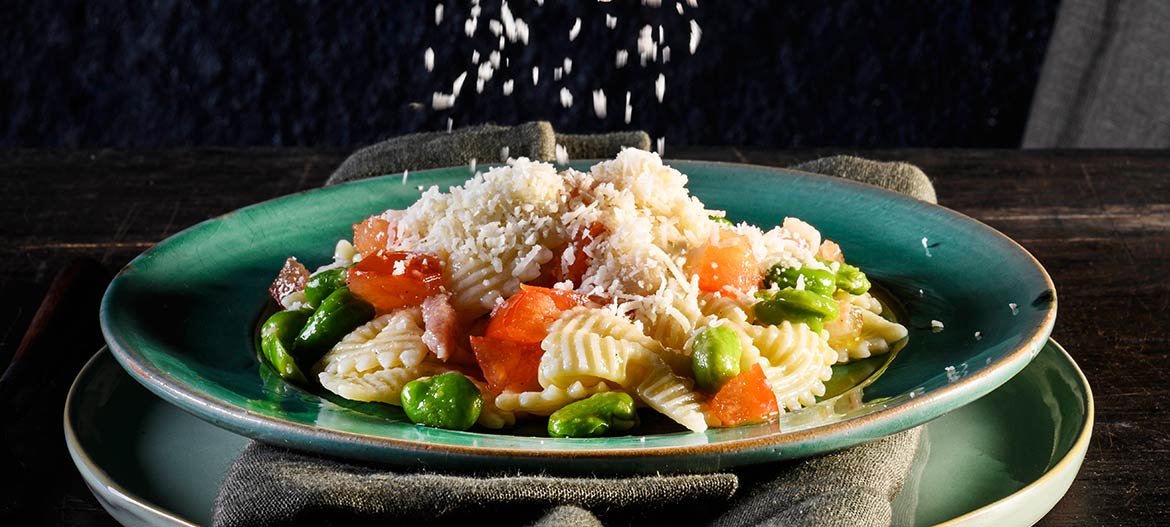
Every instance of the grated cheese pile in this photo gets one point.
(499, 228)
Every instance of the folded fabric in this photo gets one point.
(268, 485)
(271, 486)
(483, 144)
(893, 175)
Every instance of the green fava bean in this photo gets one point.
(851, 280)
(715, 355)
(322, 284)
(797, 306)
(594, 416)
(448, 401)
(277, 336)
(338, 314)
(818, 281)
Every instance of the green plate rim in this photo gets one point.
(1070, 462)
(94, 475)
(840, 434)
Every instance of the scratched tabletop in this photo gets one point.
(1099, 221)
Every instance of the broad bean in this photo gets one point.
(322, 284)
(594, 416)
(797, 306)
(277, 337)
(715, 354)
(818, 281)
(448, 401)
(337, 315)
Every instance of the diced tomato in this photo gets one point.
(575, 271)
(746, 398)
(394, 279)
(525, 316)
(509, 350)
(292, 277)
(373, 234)
(726, 263)
(507, 364)
(563, 298)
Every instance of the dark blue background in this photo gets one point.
(782, 73)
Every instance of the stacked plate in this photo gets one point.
(181, 319)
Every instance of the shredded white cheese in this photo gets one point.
(501, 227)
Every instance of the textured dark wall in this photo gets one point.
(785, 73)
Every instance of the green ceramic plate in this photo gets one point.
(1018, 449)
(180, 319)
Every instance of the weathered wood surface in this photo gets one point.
(1098, 220)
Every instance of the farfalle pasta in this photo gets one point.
(541, 290)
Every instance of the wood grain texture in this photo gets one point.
(1098, 220)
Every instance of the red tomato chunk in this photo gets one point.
(523, 318)
(726, 264)
(564, 299)
(509, 352)
(507, 364)
(392, 280)
(746, 398)
(371, 235)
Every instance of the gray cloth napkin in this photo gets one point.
(893, 175)
(486, 143)
(268, 485)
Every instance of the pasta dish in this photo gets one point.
(577, 296)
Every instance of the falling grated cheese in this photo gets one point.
(457, 86)
(696, 36)
(575, 30)
(599, 103)
(442, 101)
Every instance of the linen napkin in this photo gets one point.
(270, 485)
(483, 144)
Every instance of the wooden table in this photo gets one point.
(1098, 220)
